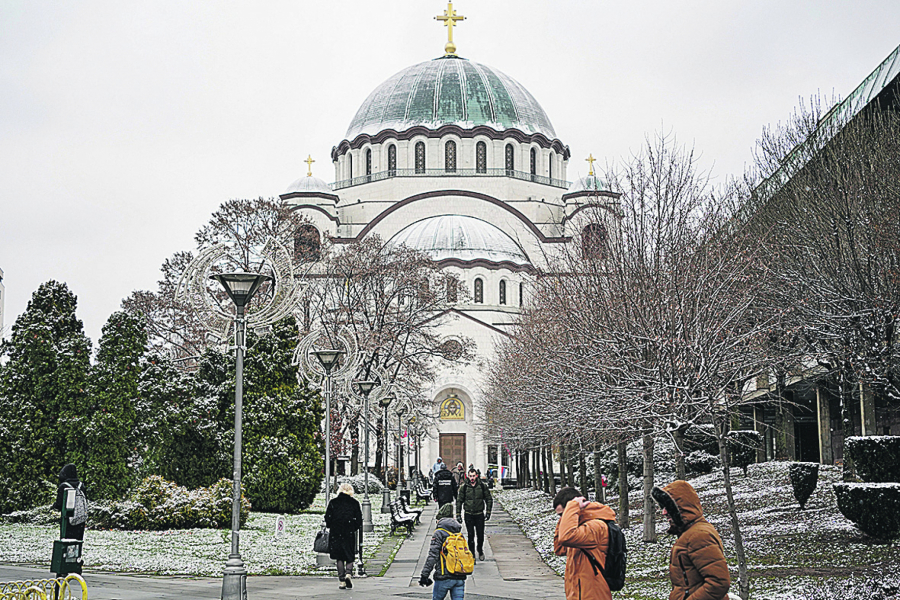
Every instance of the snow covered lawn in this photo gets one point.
(192, 551)
(793, 554)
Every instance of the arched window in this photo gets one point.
(450, 156)
(510, 159)
(502, 292)
(521, 294)
(368, 161)
(481, 157)
(392, 160)
(593, 241)
(349, 166)
(533, 163)
(550, 166)
(307, 245)
(479, 291)
(451, 290)
(420, 157)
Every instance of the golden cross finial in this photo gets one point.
(309, 161)
(591, 160)
(450, 18)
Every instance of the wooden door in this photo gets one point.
(453, 449)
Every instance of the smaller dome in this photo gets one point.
(309, 185)
(460, 237)
(590, 185)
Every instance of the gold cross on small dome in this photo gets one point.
(450, 18)
(591, 160)
(309, 161)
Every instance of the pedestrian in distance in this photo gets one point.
(474, 500)
(582, 536)
(343, 517)
(68, 480)
(444, 487)
(697, 566)
(459, 473)
(437, 465)
(444, 583)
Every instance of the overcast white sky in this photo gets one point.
(124, 125)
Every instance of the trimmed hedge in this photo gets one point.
(701, 462)
(804, 479)
(157, 504)
(876, 458)
(742, 446)
(873, 507)
(358, 483)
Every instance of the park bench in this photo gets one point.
(416, 512)
(422, 493)
(400, 518)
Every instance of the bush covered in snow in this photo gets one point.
(157, 504)
(873, 507)
(876, 458)
(39, 515)
(804, 478)
(699, 461)
(852, 588)
(358, 483)
(742, 446)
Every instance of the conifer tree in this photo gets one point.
(42, 387)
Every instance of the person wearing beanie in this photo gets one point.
(697, 566)
(453, 584)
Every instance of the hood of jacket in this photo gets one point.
(68, 472)
(681, 501)
(450, 524)
(595, 510)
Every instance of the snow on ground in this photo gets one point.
(193, 551)
(793, 554)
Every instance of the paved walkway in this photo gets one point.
(512, 571)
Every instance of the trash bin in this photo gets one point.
(406, 495)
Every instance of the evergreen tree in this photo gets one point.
(106, 447)
(42, 388)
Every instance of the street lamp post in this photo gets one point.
(400, 481)
(240, 287)
(328, 359)
(366, 387)
(386, 492)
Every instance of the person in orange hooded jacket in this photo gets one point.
(580, 530)
(697, 566)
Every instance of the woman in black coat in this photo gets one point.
(68, 479)
(343, 517)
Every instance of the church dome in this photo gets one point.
(450, 91)
(589, 186)
(309, 185)
(460, 237)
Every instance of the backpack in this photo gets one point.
(79, 513)
(456, 558)
(616, 557)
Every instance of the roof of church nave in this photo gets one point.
(460, 237)
(450, 91)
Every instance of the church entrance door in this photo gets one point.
(453, 449)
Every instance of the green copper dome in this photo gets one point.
(450, 91)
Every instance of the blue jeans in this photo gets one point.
(456, 587)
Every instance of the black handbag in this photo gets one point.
(321, 543)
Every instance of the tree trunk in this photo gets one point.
(621, 451)
(570, 468)
(743, 576)
(354, 447)
(536, 468)
(599, 490)
(649, 504)
(678, 437)
(379, 448)
(546, 470)
(550, 469)
(582, 468)
(847, 430)
(563, 480)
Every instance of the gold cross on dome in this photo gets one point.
(309, 161)
(450, 18)
(591, 160)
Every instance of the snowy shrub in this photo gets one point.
(157, 504)
(358, 483)
(804, 478)
(39, 515)
(742, 446)
(876, 458)
(873, 507)
(852, 588)
(702, 438)
(699, 461)
(283, 479)
(663, 461)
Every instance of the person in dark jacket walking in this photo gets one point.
(475, 500)
(697, 566)
(453, 584)
(344, 519)
(444, 487)
(68, 479)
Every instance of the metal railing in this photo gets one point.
(59, 588)
(391, 173)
